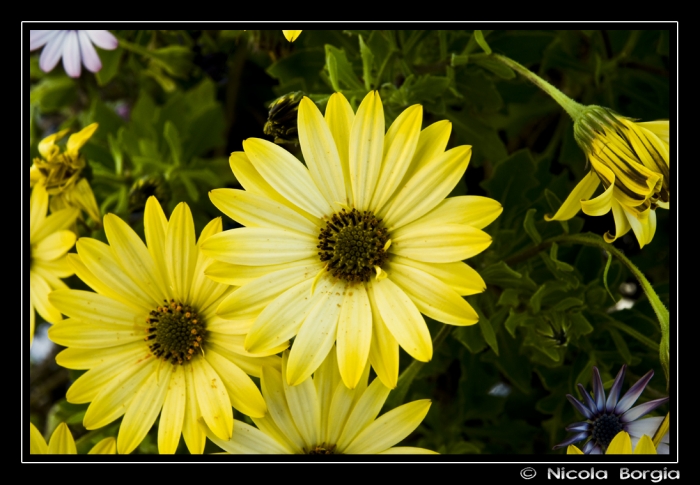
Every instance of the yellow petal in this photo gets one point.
(399, 145)
(620, 444)
(76, 333)
(62, 442)
(195, 437)
(573, 450)
(173, 414)
(364, 412)
(155, 227)
(212, 397)
(326, 379)
(601, 205)
(303, 406)
(458, 275)
(390, 428)
(242, 392)
(320, 153)
(273, 390)
(440, 244)
(291, 35)
(258, 246)
(253, 210)
(57, 221)
(583, 191)
(77, 140)
(431, 143)
(354, 335)
(180, 251)
(107, 446)
(38, 204)
(37, 443)
(472, 210)
(286, 175)
(143, 410)
(384, 350)
(403, 319)
(54, 246)
(93, 308)
(659, 128)
(433, 297)
(622, 225)
(366, 148)
(645, 446)
(316, 335)
(428, 187)
(39, 291)
(247, 440)
(83, 197)
(339, 118)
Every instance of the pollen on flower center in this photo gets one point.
(176, 330)
(352, 244)
(322, 449)
(605, 428)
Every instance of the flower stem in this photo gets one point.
(573, 108)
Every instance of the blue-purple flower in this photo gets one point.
(74, 46)
(605, 418)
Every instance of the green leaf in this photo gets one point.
(367, 64)
(173, 138)
(469, 130)
(500, 274)
(478, 89)
(515, 367)
(633, 333)
(578, 325)
(511, 180)
(471, 338)
(567, 304)
(621, 346)
(529, 226)
(509, 297)
(206, 132)
(495, 67)
(514, 320)
(554, 205)
(479, 36)
(53, 93)
(487, 330)
(337, 61)
(175, 59)
(304, 64)
(110, 65)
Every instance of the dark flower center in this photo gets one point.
(605, 427)
(176, 330)
(322, 449)
(353, 243)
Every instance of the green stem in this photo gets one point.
(573, 108)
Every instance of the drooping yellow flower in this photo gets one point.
(150, 336)
(62, 443)
(321, 416)
(356, 246)
(291, 35)
(621, 444)
(49, 241)
(61, 172)
(631, 160)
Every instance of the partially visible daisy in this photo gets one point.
(291, 35)
(61, 172)
(622, 445)
(354, 246)
(321, 416)
(605, 418)
(74, 46)
(150, 336)
(49, 241)
(62, 443)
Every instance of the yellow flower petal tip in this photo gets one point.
(291, 35)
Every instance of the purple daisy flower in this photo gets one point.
(73, 45)
(607, 417)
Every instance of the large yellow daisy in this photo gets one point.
(321, 416)
(150, 336)
(49, 241)
(353, 246)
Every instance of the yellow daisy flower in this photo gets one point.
(62, 443)
(621, 444)
(631, 160)
(353, 246)
(49, 241)
(321, 416)
(291, 35)
(150, 336)
(61, 172)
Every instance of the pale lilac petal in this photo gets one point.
(571, 440)
(71, 54)
(615, 391)
(633, 393)
(596, 450)
(52, 52)
(37, 38)
(646, 426)
(598, 390)
(580, 407)
(590, 403)
(580, 426)
(642, 409)
(90, 58)
(663, 449)
(588, 447)
(103, 39)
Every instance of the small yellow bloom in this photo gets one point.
(621, 444)
(49, 241)
(149, 337)
(321, 416)
(61, 173)
(631, 160)
(62, 443)
(291, 35)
